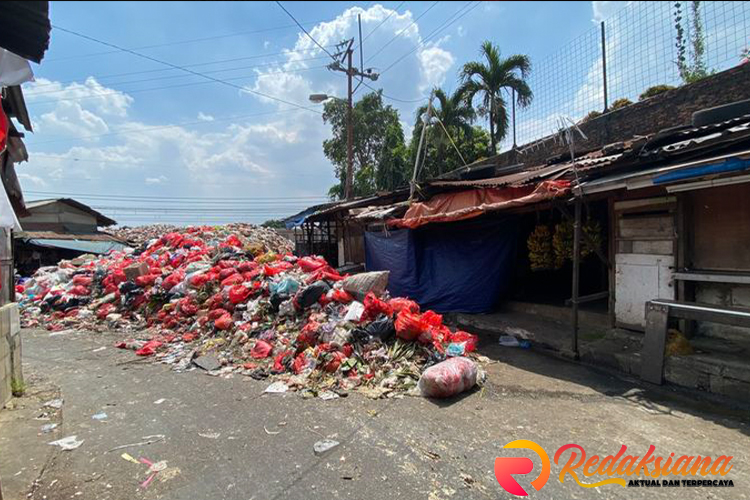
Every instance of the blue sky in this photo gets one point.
(113, 124)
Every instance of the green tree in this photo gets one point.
(487, 80)
(379, 149)
(695, 69)
(274, 224)
(456, 116)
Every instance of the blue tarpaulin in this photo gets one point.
(452, 267)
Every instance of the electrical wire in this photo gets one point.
(190, 40)
(435, 32)
(217, 80)
(178, 85)
(192, 65)
(140, 197)
(34, 93)
(370, 58)
(396, 99)
(393, 11)
(304, 30)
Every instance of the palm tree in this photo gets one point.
(456, 116)
(488, 79)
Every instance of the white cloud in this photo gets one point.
(461, 31)
(204, 117)
(32, 179)
(434, 64)
(605, 9)
(156, 180)
(266, 44)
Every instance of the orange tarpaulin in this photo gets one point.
(449, 207)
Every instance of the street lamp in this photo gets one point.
(317, 99)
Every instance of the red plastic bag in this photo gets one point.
(82, 280)
(149, 349)
(146, 280)
(217, 313)
(409, 325)
(238, 294)
(234, 279)
(188, 307)
(311, 264)
(79, 290)
(224, 322)
(198, 280)
(335, 362)
(172, 280)
(448, 378)
(341, 296)
(104, 310)
(261, 349)
(399, 304)
(374, 306)
(461, 336)
(432, 319)
(225, 273)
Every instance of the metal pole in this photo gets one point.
(576, 273)
(513, 100)
(604, 65)
(413, 184)
(349, 129)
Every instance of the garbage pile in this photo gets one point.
(232, 299)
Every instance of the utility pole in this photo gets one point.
(351, 72)
(425, 124)
(349, 127)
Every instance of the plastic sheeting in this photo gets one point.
(448, 207)
(447, 267)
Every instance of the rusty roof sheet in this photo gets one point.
(517, 179)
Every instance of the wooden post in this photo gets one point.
(576, 274)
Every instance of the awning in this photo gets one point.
(86, 246)
(449, 207)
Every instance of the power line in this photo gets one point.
(160, 127)
(33, 92)
(139, 197)
(304, 30)
(191, 40)
(394, 11)
(403, 31)
(179, 85)
(193, 65)
(421, 99)
(446, 24)
(217, 80)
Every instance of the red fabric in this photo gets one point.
(3, 127)
(449, 207)
(261, 349)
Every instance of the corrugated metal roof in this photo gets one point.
(516, 179)
(66, 236)
(97, 247)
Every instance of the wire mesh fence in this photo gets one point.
(627, 54)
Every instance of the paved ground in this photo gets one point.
(224, 440)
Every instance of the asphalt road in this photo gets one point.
(224, 439)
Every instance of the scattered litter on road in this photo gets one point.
(68, 443)
(519, 333)
(271, 433)
(130, 458)
(277, 388)
(99, 349)
(61, 332)
(156, 438)
(100, 416)
(47, 428)
(54, 403)
(233, 299)
(210, 435)
(159, 401)
(508, 341)
(323, 447)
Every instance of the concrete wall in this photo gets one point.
(10, 351)
(670, 109)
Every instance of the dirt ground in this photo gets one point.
(225, 439)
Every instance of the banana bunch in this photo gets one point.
(540, 248)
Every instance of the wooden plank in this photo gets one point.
(654, 342)
(648, 202)
(653, 226)
(653, 247)
(712, 277)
